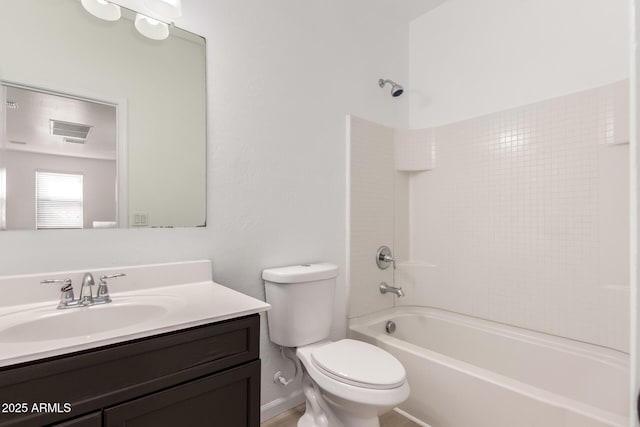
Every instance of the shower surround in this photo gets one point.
(519, 217)
(524, 218)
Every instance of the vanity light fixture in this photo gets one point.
(169, 8)
(151, 28)
(102, 9)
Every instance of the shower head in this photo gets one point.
(396, 89)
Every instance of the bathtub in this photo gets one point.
(468, 372)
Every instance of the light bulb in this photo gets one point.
(102, 9)
(151, 28)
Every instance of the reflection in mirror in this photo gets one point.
(155, 90)
(58, 161)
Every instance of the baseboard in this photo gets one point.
(280, 405)
(411, 417)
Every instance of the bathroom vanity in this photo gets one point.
(196, 363)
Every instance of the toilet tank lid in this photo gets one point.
(300, 273)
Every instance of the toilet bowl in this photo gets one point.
(346, 383)
(349, 383)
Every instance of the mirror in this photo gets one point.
(59, 163)
(111, 122)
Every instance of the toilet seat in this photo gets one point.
(341, 389)
(359, 364)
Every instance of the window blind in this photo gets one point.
(58, 200)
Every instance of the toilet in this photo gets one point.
(346, 383)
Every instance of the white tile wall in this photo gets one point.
(414, 150)
(371, 205)
(524, 219)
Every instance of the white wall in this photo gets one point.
(470, 58)
(99, 185)
(282, 76)
(282, 85)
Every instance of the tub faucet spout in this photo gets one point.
(384, 288)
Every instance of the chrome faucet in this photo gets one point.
(384, 289)
(87, 282)
(86, 297)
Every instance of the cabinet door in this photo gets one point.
(229, 399)
(91, 420)
(100, 378)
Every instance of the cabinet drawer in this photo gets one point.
(105, 376)
(92, 420)
(229, 399)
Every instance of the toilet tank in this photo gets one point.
(301, 298)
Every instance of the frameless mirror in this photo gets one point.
(100, 126)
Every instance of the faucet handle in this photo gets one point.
(66, 283)
(384, 258)
(67, 297)
(104, 278)
(103, 290)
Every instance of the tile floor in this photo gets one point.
(290, 419)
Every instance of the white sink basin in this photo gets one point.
(45, 324)
(148, 301)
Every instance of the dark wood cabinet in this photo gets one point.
(91, 420)
(188, 378)
(217, 400)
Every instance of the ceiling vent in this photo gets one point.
(74, 140)
(70, 130)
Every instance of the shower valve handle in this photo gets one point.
(384, 258)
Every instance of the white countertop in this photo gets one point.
(192, 304)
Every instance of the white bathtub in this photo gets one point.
(468, 372)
